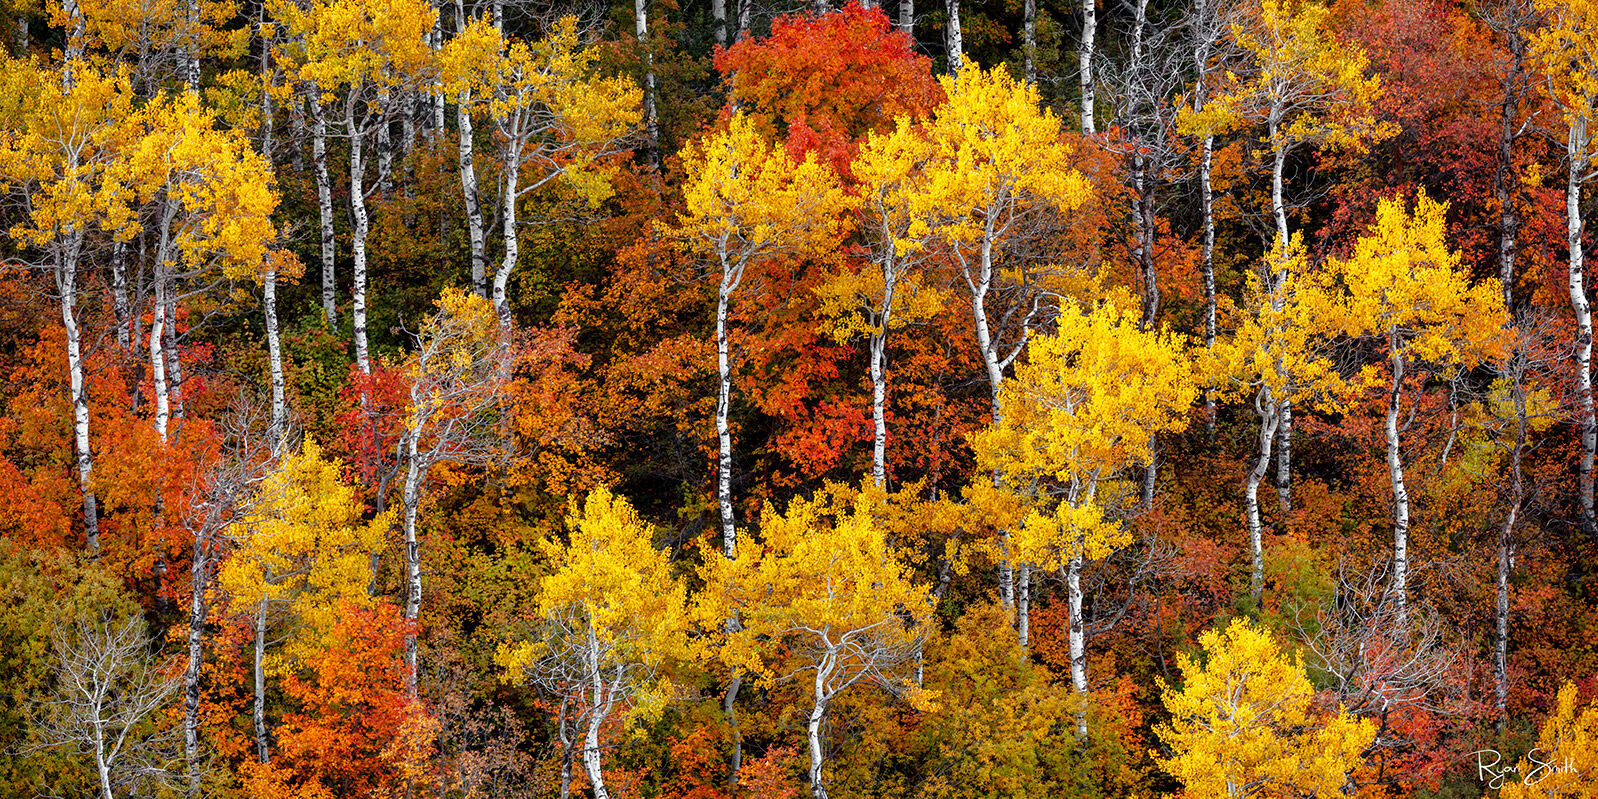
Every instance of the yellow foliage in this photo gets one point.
(1566, 50)
(1283, 338)
(1565, 761)
(1242, 723)
(1314, 87)
(380, 44)
(827, 584)
(1080, 410)
(746, 200)
(303, 543)
(1406, 286)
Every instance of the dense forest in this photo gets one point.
(1112, 398)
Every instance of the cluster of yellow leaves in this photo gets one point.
(613, 588)
(1313, 88)
(303, 543)
(219, 189)
(746, 200)
(995, 150)
(547, 93)
(1567, 755)
(463, 332)
(57, 144)
(158, 29)
(1081, 409)
(380, 44)
(1283, 337)
(1566, 49)
(823, 576)
(1405, 285)
(1242, 723)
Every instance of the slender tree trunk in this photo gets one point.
(1587, 424)
(1266, 407)
(199, 579)
(907, 16)
(1077, 641)
(119, 293)
(564, 737)
(1029, 40)
(1023, 606)
(191, 46)
(879, 370)
(274, 357)
(718, 13)
(469, 190)
(730, 710)
(591, 761)
(19, 36)
(952, 40)
(651, 119)
(818, 713)
(1395, 470)
(729, 532)
(67, 285)
(158, 361)
(512, 236)
(263, 751)
(1506, 539)
(1508, 214)
(415, 472)
(358, 232)
(324, 204)
(1084, 57)
(995, 372)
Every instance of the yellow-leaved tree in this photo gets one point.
(302, 548)
(1566, 50)
(824, 594)
(610, 617)
(1082, 409)
(999, 173)
(891, 171)
(1407, 289)
(747, 203)
(1242, 723)
(554, 115)
(1566, 757)
(1309, 90)
(1279, 356)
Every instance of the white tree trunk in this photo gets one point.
(358, 232)
(1266, 408)
(1023, 606)
(1077, 640)
(729, 531)
(1395, 471)
(512, 238)
(324, 207)
(718, 14)
(651, 119)
(258, 709)
(596, 717)
(199, 579)
(158, 362)
(415, 471)
(1207, 260)
(1029, 40)
(995, 372)
(67, 285)
(952, 39)
(907, 16)
(274, 357)
(473, 199)
(1587, 424)
(1084, 57)
(818, 713)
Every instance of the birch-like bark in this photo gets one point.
(907, 17)
(158, 362)
(731, 275)
(953, 41)
(1266, 408)
(1395, 471)
(1207, 261)
(1508, 215)
(359, 229)
(1084, 57)
(263, 751)
(199, 579)
(601, 709)
(1029, 40)
(1587, 424)
(718, 14)
(169, 344)
(66, 274)
(324, 207)
(651, 119)
(119, 294)
(995, 373)
(1023, 606)
(818, 789)
(1284, 428)
(511, 236)
(19, 36)
(1077, 640)
(274, 357)
(415, 470)
(469, 190)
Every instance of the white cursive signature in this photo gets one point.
(1494, 773)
